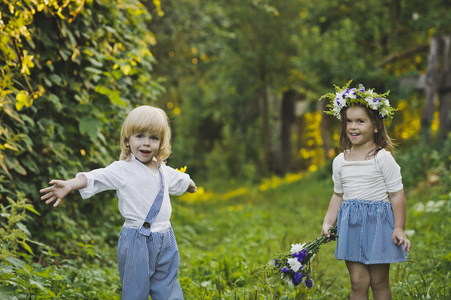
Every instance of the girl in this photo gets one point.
(368, 203)
(147, 253)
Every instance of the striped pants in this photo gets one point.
(148, 265)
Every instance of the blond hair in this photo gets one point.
(146, 119)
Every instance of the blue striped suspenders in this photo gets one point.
(154, 210)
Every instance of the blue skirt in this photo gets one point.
(365, 230)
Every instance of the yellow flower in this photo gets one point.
(23, 99)
(183, 170)
(27, 63)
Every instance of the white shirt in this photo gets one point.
(369, 179)
(136, 188)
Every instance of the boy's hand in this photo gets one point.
(60, 188)
(56, 192)
(192, 188)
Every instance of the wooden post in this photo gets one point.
(445, 91)
(437, 80)
(429, 89)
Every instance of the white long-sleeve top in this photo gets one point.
(370, 180)
(136, 188)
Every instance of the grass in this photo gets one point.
(226, 233)
(224, 239)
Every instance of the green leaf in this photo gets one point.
(55, 79)
(5, 296)
(25, 245)
(126, 69)
(31, 208)
(40, 286)
(448, 256)
(95, 62)
(56, 101)
(14, 164)
(89, 126)
(17, 263)
(9, 146)
(31, 165)
(12, 113)
(37, 243)
(112, 95)
(93, 70)
(23, 228)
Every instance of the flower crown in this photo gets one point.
(346, 97)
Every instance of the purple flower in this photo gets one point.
(378, 99)
(301, 255)
(296, 278)
(308, 282)
(362, 88)
(285, 270)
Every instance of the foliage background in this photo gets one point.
(222, 70)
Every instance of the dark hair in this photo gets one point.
(381, 137)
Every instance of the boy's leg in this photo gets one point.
(176, 292)
(133, 262)
(380, 281)
(164, 283)
(360, 279)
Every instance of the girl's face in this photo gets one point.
(359, 127)
(145, 146)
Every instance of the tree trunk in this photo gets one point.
(265, 131)
(326, 129)
(287, 119)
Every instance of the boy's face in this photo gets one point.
(145, 146)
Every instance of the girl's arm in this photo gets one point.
(60, 188)
(332, 212)
(398, 204)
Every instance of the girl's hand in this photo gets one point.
(325, 231)
(399, 238)
(56, 192)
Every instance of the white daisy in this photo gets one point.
(294, 264)
(296, 248)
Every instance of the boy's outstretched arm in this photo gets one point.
(192, 188)
(59, 189)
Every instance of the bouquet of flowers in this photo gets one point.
(294, 265)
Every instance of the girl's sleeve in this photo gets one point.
(103, 179)
(177, 182)
(336, 167)
(391, 172)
